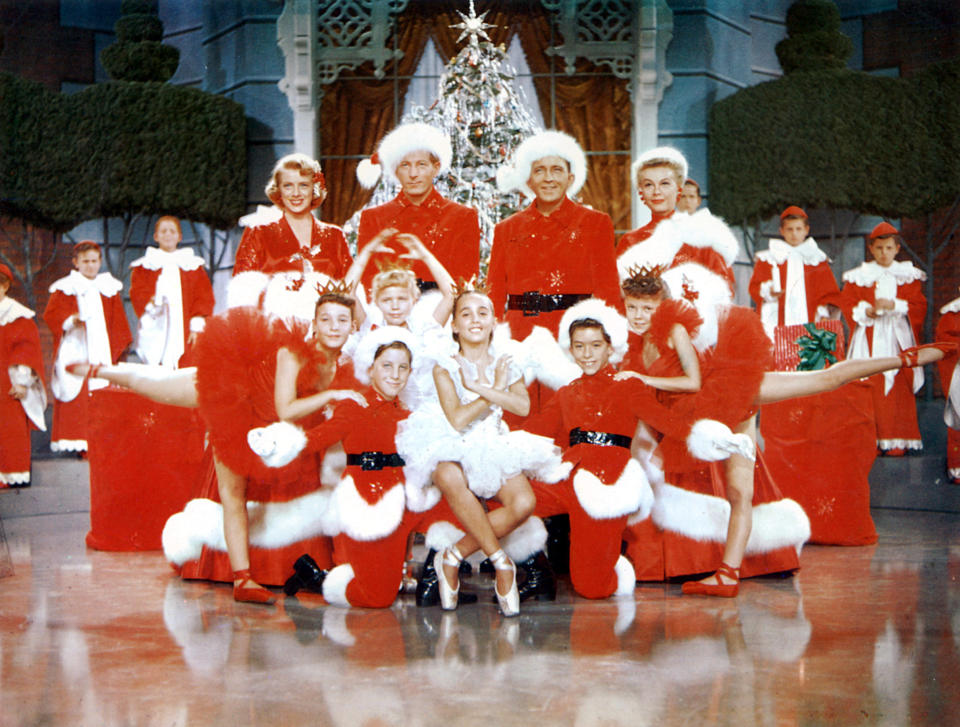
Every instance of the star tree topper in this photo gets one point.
(473, 26)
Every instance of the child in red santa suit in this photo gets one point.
(85, 313)
(23, 398)
(948, 329)
(171, 295)
(885, 306)
(368, 512)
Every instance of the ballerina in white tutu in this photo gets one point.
(457, 442)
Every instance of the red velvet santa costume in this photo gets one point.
(368, 512)
(21, 364)
(89, 324)
(172, 296)
(948, 329)
(236, 363)
(690, 509)
(800, 435)
(540, 265)
(451, 231)
(887, 334)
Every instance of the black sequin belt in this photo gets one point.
(601, 439)
(533, 303)
(375, 460)
(426, 285)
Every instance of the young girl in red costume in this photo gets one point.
(22, 394)
(368, 511)
(171, 295)
(85, 313)
(458, 442)
(250, 368)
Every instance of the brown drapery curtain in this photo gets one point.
(356, 113)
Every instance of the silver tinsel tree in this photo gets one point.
(484, 114)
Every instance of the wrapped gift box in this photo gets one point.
(808, 346)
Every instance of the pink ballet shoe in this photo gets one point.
(721, 589)
(910, 357)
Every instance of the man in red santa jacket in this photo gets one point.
(413, 155)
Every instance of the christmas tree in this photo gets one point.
(485, 116)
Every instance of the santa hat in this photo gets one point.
(884, 229)
(544, 144)
(613, 323)
(660, 155)
(367, 348)
(403, 140)
(793, 211)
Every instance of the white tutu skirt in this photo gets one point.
(488, 451)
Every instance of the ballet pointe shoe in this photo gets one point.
(428, 585)
(721, 589)
(250, 593)
(306, 575)
(448, 594)
(910, 357)
(509, 602)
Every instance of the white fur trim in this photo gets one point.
(197, 324)
(442, 534)
(14, 478)
(368, 173)
(368, 345)
(543, 144)
(952, 307)
(363, 521)
(292, 295)
(713, 441)
(778, 524)
(264, 215)
(246, 289)
(664, 155)
(277, 444)
(272, 525)
(408, 138)
(527, 539)
(75, 284)
(421, 499)
(613, 323)
(779, 252)
(11, 310)
(630, 493)
(335, 588)
(626, 577)
(544, 360)
(157, 259)
(68, 445)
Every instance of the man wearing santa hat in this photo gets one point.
(414, 155)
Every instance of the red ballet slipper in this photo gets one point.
(909, 357)
(250, 594)
(721, 589)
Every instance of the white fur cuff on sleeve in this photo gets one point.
(277, 444)
(712, 441)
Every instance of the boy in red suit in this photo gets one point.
(171, 295)
(22, 395)
(792, 281)
(883, 299)
(413, 155)
(85, 313)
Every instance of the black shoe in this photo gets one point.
(486, 567)
(540, 583)
(428, 588)
(306, 575)
(558, 542)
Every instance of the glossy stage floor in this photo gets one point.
(861, 636)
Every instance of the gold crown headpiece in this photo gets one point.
(646, 271)
(334, 287)
(388, 265)
(464, 286)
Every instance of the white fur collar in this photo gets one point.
(952, 307)
(75, 283)
(157, 259)
(263, 216)
(867, 274)
(780, 251)
(11, 310)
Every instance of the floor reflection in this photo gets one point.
(860, 636)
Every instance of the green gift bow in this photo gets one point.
(816, 348)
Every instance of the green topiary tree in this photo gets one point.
(139, 54)
(814, 41)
